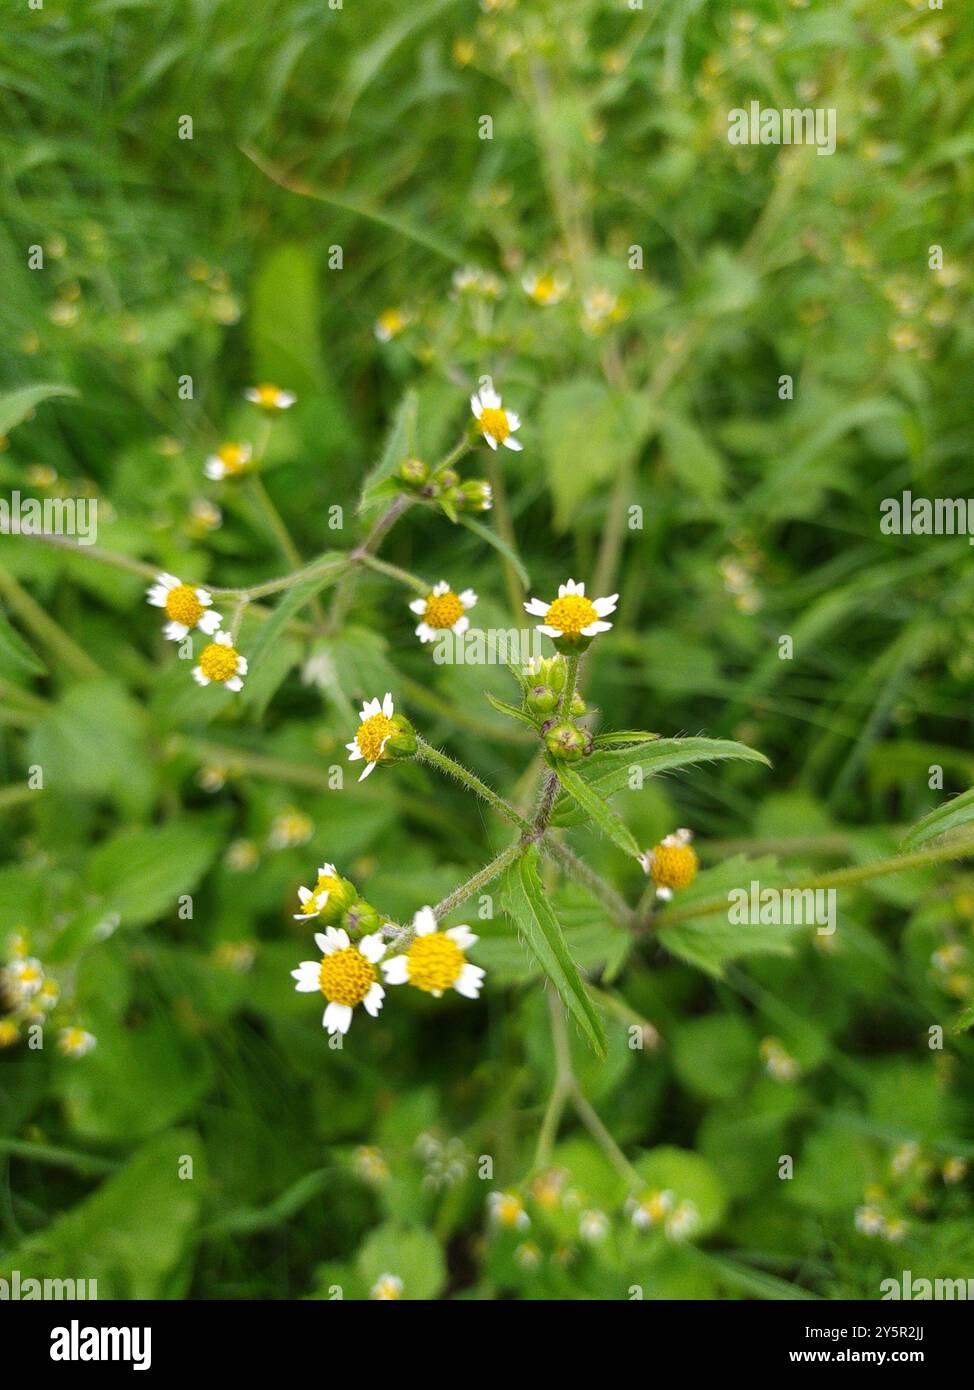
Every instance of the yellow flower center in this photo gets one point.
(267, 395)
(371, 734)
(346, 977)
(183, 606)
(494, 423)
(674, 866)
(435, 962)
(327, 884)
(443, 610)
(218, 661)
(392, 321)
(234, 456)
(571, 613)
(545, 289)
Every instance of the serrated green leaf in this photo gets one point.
(140, 874)
(624, 738)
(532, 913)
(597, 810)
(608, 770)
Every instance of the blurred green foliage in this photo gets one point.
(359, 128)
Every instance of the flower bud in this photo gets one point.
(578, 705)
(414, 472)
(541, 699)
(361, 918)
(474, 495)
(567, 742)
(401, 744)
(341, 894)
(448, 478)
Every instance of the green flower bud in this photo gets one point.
(341, 894)
(448, 478)
(541, 699)
(578, 705)
(474, 495)
(401, 744)
(414, 472)
(567, 742)
(361, 918)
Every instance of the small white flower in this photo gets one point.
(75, 1042)
(869, 1220)
(389, 324)
(496, 424)
(683, 1222)
(571, 614)
(652, 1208)
(374, 732)
(386, 1288)
(270, 397)
(313, 900)
(22, 979)
(436, 960)
(346, 975)
(227, 462)
(186, 607)
(221, 662)
(546, 290)
(443, 611)
(506, 1209)
(593, 1226)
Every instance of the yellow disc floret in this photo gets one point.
(267, 395)
(346, 977)
(371, 735)
(443, 610)
(218, 662)
(495, 423)
(570, 613)
(673, 866)
(183, 606)
(234, 457)
(435, 962)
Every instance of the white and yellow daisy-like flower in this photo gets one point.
(671, 864)
(270, 397)
(22, 979)
(682, 1223)
(313, 900)
(386, 1289)
(75, 1042)
(507, 1210)
(291, 828)
(600, 308)
(471, 280)
(228, 461)
(593, 1226)
(545, 290)
(185, 606)
(496, 424)
(652, 1208)
(389, 324)
(442, 611)
(346, 975)
(374, 732)
(221, 662)
(571, 615)
(436, 961)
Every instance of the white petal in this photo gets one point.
(489, 398)
(175, 632)
(594, 629)
(215, 469)
(354, 752)
(368, 769)
(199, 677)
(321, 941)
(369, 708)
(511, 443)
(548, 631)
(441, 587)
(469, 981)
(461, 625)
(387, 705)
(243, 665)
(396, 970)
(338, 937)
(205, 597)
(491, 440)
(424, 922)
(337, 1018)
(157, 595)
(664, 893)
(475, 406)
(373, 947)
(307, 976)
(224, 639)
(537, 607)
(209, 622)
(468, 598)
(328, 871)
(372, 1002)
(425, 633)
(168, 581)
(605, 606)
(513, 419)
(234, 683)
(418, 606)
(463, 936)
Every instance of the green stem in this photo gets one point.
(401, 576)
(427, 754)
(58, 1158)
(571, 680)
(602, 891)
(45, 629)
(505, 529)
(480, 879)
(454, 456)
